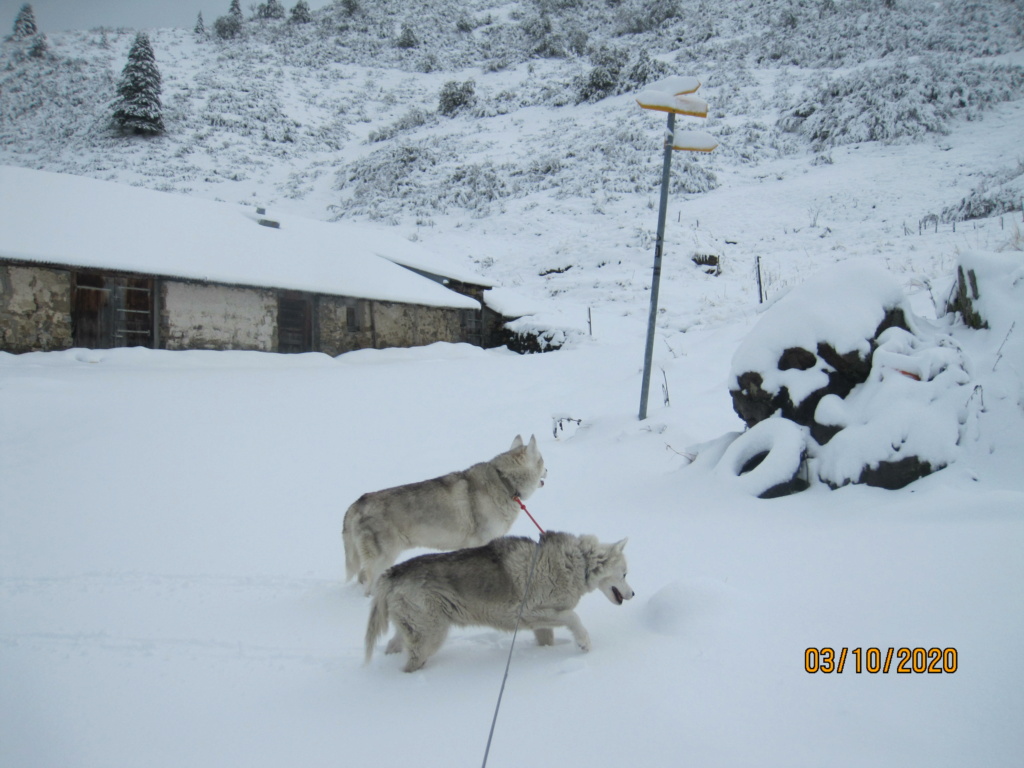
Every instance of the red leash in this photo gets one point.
(523, 507)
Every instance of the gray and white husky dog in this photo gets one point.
(461, 509)
(484, 586)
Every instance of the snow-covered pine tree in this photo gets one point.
(235, 9)
(200, 28)
(301, 13)
(137, 108)
(272, 9)
(25, 23)
(407, 39)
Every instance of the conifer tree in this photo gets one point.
(272, 9)
(301, 13)
(25, 23)
(200, 28)
(137, 108)
(235, 9)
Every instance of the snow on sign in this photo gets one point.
(693, 141)
(676, 85)
(669, 95)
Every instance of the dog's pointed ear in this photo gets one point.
(517, 443)
(532, 447)
(620, 545)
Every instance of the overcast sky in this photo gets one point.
(61, 15)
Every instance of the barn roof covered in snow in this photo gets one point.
(74, 221)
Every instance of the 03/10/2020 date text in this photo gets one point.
(902, 661)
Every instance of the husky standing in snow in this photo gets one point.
(460, 509)
(484, 586)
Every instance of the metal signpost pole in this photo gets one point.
(659, 245)
(669, 95)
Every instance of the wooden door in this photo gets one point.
(294, 323)
(112, 311)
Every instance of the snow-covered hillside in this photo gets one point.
(170, 557)
(335, 119)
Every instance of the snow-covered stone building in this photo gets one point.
(87, 263)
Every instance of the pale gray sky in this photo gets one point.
(61, 15)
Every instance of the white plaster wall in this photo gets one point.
(218, 317)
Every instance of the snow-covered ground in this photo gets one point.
(171, 570)
(170, 554)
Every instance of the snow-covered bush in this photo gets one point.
(635, 16)
(412, 119)
(301, 13)
(616, 71)
(455, 97)
(227, 27)
(903, 99)
(39, 47)
(539, 30)
(1001, 193)
(271, 9)
(475, 186)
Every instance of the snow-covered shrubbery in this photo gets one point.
(414, 118)
(616, 70)
(456, 97)
(836, 35)
(1001, 193)
(903, 99)
(313, 89)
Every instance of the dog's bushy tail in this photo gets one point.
(378, 624)
(352, 562)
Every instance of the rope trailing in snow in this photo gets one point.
(515, 631)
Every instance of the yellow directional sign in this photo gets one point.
(693, 141)
(663, 101)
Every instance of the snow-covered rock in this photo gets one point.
(880, 392)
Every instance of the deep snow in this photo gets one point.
(171, 568)
(172, 572)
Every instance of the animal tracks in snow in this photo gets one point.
(150, 616)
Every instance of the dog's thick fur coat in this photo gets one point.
(484, 586)
(461, 509)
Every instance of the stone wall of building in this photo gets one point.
(198, 316)
(411, 325)
(344, 324)
(35, 309)
(36, 315)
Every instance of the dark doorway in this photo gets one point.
(110, 311)
(294, 323)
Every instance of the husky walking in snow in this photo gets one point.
(484, 586)
(461, 509)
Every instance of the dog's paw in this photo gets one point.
(395, 645)
(583, 641)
